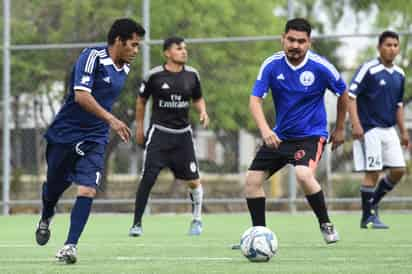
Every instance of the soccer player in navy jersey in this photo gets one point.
(174, 87)
(298, 79)
(77, 137)
(377, 90)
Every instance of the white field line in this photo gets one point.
(215, 259)
(205, 245)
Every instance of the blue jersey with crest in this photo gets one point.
(96, 73)
(298, 93)
(378, 91)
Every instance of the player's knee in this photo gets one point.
(252, 182)
(86, 191)
(396, 174)
(304, 176)
(194, 183)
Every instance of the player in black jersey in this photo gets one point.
(174, 86)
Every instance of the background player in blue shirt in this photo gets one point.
(77, 137)
(298, 79)
(377, 90)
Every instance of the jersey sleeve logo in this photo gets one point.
(307, 78)
(85, 79)
(353, 86)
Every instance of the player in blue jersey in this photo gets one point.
(77, 137)
(298, 79)
(377, 90)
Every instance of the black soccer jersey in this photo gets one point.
(171, 93)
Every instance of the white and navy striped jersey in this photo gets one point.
(378, 91)
(96, 73)
(298, 93)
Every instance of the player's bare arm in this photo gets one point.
(338, 135)
(200, 106)
(87, 102)
(357, 130)
(269, 137)
(140, 111)
(401, 125)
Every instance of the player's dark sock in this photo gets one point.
(366, 196)
(384, 186)
(257, 210)
(50, 197)
(142, 195)
(317, 202)
(78, 219)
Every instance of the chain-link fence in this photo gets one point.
(227, 41)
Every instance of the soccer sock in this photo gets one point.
(384, 186)
(142, 195)
(257, 207)
(78, 218)
(196, 195)
(50, 197)
(317, 202)
(366, 196)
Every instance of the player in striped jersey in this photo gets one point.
(77, 137)
(377, 90)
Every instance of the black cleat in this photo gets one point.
(43, 232)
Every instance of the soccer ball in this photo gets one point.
(258, 244)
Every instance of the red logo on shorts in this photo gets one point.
(299, 154)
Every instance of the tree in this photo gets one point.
(227, 70)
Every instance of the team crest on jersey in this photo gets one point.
(307, 78)
(193, 167)
(299, 154)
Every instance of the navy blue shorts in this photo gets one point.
(80, 163)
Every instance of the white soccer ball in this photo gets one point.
(258, 244)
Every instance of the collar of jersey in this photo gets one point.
(390, 70)
(110, 62)
(165, 69)
(305, 60)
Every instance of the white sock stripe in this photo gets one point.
(367, 189)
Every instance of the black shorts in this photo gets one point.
(305, 152)
(171, 148)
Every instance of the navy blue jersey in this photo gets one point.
(298, 93)
(378, 91)
(96, 73)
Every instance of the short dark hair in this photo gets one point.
(124, 28)
(168, 42)
(387, 34)
(299, 24)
